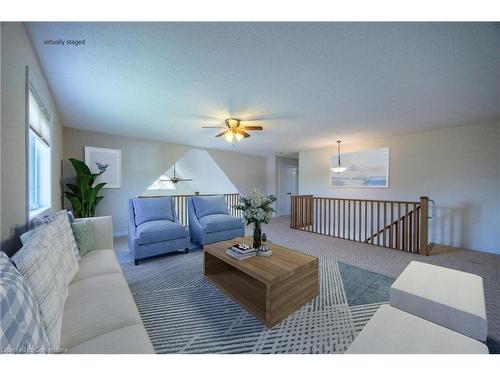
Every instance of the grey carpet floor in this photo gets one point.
(367, 257)
(184, 313)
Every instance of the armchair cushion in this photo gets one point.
(209, 205)
(158, 231)
(220, 222)
(149, 209)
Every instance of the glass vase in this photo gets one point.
(257, 236)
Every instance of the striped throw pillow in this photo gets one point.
(22, 329)
(63, 241)
(42, 267)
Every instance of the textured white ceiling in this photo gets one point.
(312, 82)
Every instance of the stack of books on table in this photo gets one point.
(241, 251)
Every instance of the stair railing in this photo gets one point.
(400, 225)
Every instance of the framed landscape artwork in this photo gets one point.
(107, 159)
(367, 168)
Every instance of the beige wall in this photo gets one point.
(246, 172)
(143, 161)
(0, 129)
(17, 53)
(457, 167)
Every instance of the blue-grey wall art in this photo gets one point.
(367, 168)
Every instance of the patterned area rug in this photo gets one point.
(184, 313)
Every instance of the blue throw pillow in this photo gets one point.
(149, 209)
(210, 205)
(22, 329)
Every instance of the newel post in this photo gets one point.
(309, 212)
(424, 226)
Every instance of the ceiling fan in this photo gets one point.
(234, 129)
(174, 179)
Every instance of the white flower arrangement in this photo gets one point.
(257, 208)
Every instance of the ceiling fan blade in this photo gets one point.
(186, 179)
(244, 134)
(213, 127)
(222, 133)
(266, 117)
(251, 127)
(205, 117)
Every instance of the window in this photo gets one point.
(163, 183)
(39, 160)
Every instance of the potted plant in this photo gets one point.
(83, 195)
(257, 208)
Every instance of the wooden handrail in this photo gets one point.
(401, 225)
(359, 200)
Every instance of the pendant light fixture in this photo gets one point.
(338, 169)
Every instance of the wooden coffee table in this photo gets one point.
(271, 288)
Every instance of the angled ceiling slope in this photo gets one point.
(208, 177)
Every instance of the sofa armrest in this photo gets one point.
(103, 231)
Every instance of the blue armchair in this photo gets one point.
(209, 220)
(154, 229)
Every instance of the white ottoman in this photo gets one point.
(392, 331)
(450, 298)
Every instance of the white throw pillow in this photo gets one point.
(63, 241)
(43, 270)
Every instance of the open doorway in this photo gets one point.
(288, 182)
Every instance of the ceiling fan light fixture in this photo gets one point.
(232, 122)
(234, 129)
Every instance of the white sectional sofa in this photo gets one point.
(393, 331)
(100, 315)
(433, 310)
(450, 298)
(59, 298)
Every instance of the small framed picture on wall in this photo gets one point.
(107, 161)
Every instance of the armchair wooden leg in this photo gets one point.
(136, 262)
(186, 250)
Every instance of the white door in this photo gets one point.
(287, 186)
